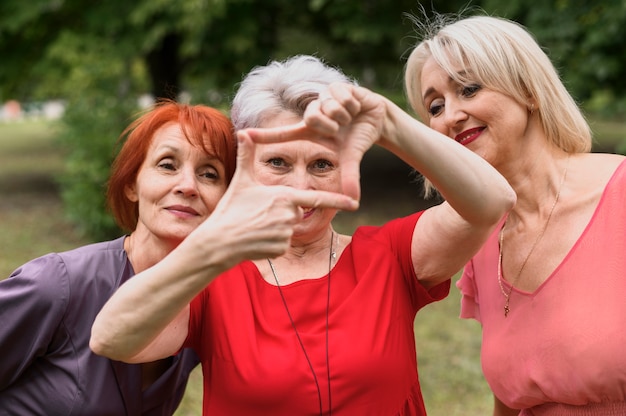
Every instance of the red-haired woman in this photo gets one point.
(175, 165)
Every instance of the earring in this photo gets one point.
(532, 108)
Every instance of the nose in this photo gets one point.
(453, 116)
(301, 179)
(187, 184)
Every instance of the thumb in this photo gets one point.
(245, 157)
(351, 178)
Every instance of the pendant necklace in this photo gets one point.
(331, 257)
(507, 295)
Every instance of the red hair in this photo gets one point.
(204, 127)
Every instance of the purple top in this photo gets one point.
(47, 307)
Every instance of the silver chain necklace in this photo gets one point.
(331, 256)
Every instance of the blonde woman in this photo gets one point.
(548, 287)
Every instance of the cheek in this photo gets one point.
(331, 183)
(264, 177)
(437, 124)
(211, 197)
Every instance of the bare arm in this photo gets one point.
(476, 196)
(147, 318)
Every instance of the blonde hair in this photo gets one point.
(503, 56)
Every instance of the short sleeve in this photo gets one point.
(470, 308)
(196, 308)
(398, 235)
(33, 301)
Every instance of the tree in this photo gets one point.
(101, 56)
(585, 40)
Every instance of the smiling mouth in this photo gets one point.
(469, 136)
(183, 210)
(307, 212)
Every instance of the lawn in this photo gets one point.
(32, 223)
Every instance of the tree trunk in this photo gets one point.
(165, 68)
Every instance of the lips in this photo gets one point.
(469, 136)
(183, 209)
(307, 212)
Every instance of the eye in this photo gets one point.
(469, 91)
(276, 162)
(436, 107)
(166, 164)
(210, 173)
(322, 165)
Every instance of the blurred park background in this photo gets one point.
(74, 73)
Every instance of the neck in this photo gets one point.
(536, 183)
(302, 262)
(145, 250)
(301, 249)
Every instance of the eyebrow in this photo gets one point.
(428, 92)
(431, 90)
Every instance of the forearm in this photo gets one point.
(466, 181)
(142, 308)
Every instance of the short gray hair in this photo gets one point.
(280, 86)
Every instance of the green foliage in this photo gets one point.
(100, 56)
(587, 43)
(100, 89)
(89, 142)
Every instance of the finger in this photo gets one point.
(278, 134)
(344, 96)
(351, 178)
(245, 159)
(322, 199)
(326, 115)
(299, 131)
(319, 116)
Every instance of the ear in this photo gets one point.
(532, 105)
(131, 193)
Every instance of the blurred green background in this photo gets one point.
(101, 61)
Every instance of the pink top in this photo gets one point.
(566, 341)
(253, 364)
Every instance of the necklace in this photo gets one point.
(507, 295)
(331, 256)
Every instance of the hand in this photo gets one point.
(259, 219)
(345, 113)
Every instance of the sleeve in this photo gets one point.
(400, 233)
(33, 301)
(196, 308)
(470, 307)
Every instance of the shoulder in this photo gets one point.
(40, 286)
(98, 261)
(600, 166)
(590, 173)
(54, 275)
(104, 248)
(391, 229)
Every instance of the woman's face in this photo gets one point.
(489, 123)
(177, 187)
(300, 164)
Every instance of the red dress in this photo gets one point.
(253, 363)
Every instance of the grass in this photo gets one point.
(31, 213)
(32, 223)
